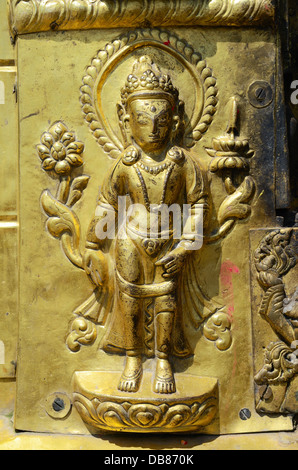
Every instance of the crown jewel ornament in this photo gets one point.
(146, 78)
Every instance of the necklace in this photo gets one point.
(153, 170)
(170, 167)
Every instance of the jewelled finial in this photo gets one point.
(230, 152)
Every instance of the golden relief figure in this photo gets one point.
(156, 174)
(151, 219)
(135, 253)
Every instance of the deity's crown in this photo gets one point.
(147, 79)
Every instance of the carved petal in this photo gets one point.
(48, 163)
(74, 159)
(75, 147)
(47, 139)
(62, 168)
(43, 151)
(67, 138)
(57, 130)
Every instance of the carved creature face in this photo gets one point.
(151, 123)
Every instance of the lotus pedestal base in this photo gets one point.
(192, 408)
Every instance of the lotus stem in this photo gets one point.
(63, 189)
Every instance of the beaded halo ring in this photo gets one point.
(107, 59)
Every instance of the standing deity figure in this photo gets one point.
(155, 177)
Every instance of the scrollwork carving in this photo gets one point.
(139, 417)
(280, 365)
(83, 332)
(28, 16)
(274, 258)
(218, 329)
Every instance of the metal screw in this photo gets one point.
(58, 404)
(260, 94)
(245, 414)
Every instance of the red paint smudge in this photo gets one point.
(167, 43)
(226, 278)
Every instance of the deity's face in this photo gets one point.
(151, 122)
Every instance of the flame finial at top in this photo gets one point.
(229, 151)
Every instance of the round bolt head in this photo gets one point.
(244, 414)
(260, 94)
(58, 405)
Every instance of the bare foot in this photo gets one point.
(164, 381)
(131, 377)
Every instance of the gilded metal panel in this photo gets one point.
(53, 330)
(212, 349)
(7, 52)
(9, 141)
(8, 219)
(9, 306)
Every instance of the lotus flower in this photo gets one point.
(59, 151)
(229, 153)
